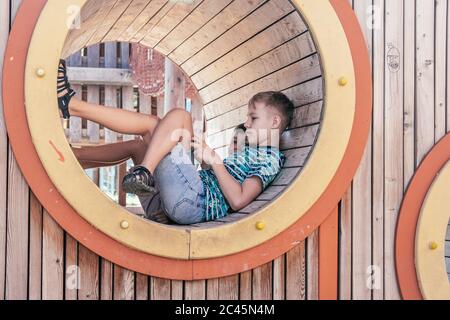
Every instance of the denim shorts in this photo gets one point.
(181, 194)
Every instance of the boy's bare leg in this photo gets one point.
(118, 120)
(111, 154)
(175, 127)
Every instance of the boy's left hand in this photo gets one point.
(202, 152)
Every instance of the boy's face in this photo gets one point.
(263, 124)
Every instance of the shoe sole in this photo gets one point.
(138, 189)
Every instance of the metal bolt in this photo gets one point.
(40, 72)
(124, 224)
(260, 225)
(343, 81)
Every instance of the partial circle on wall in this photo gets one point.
(421, 227)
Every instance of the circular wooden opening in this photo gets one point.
(230, 50)
(303, 203)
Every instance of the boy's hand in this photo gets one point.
(202, 152)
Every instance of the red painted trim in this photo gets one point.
(405, 237)
(65, 215)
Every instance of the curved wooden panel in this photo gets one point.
(409, 216)
(430, 239)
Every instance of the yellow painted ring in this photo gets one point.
(176, 242)
(430, 239)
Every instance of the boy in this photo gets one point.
(116, 153)
(190, 196)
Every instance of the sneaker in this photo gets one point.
(139, 181)
(64, 90)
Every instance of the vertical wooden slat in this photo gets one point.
(159, 289)
(125, 55)
(278, 278)
(262, 282)
(142, 285)
(17, 223)
(52, 259)
(378, 143)
(440, 67)
(309, 273)
(160, 106)
(174, 85)
(229, 288)
(35, 268)
(75, 126)
(177, 290)
(345, 242)
(106, 279)
(71, 269)
(123, 284)
(89, 274)
(75, 130)
(245, 285)
(4, 32)
(212, 289)
(93, 93)
(425, 77)
(296, 273)
(362, 187)
(145, 104)
(110, 91)
(127, 100)
(409, 83)
(17, 233)
(393, 138)
(195, 290)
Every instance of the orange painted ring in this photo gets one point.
(86, 234)
(415, 195)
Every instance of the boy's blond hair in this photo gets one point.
(279, 101)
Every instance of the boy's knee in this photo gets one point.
(178, 112)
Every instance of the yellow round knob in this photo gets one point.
(433, 245)
(260, 225)
(40, 73)
(343, 81)
(124, 224)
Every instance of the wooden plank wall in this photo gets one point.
(411, 112)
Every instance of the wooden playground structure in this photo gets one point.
(358, 211)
